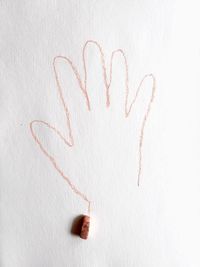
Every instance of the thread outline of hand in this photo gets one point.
(69, 141)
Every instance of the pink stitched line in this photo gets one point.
(83, 88)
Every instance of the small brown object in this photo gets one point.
(85, 227)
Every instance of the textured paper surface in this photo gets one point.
(154, 225)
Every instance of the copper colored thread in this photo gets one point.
(83, 87)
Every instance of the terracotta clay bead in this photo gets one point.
(85, 227)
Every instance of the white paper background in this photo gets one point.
(154, 225)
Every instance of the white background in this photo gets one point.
(154, 225)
